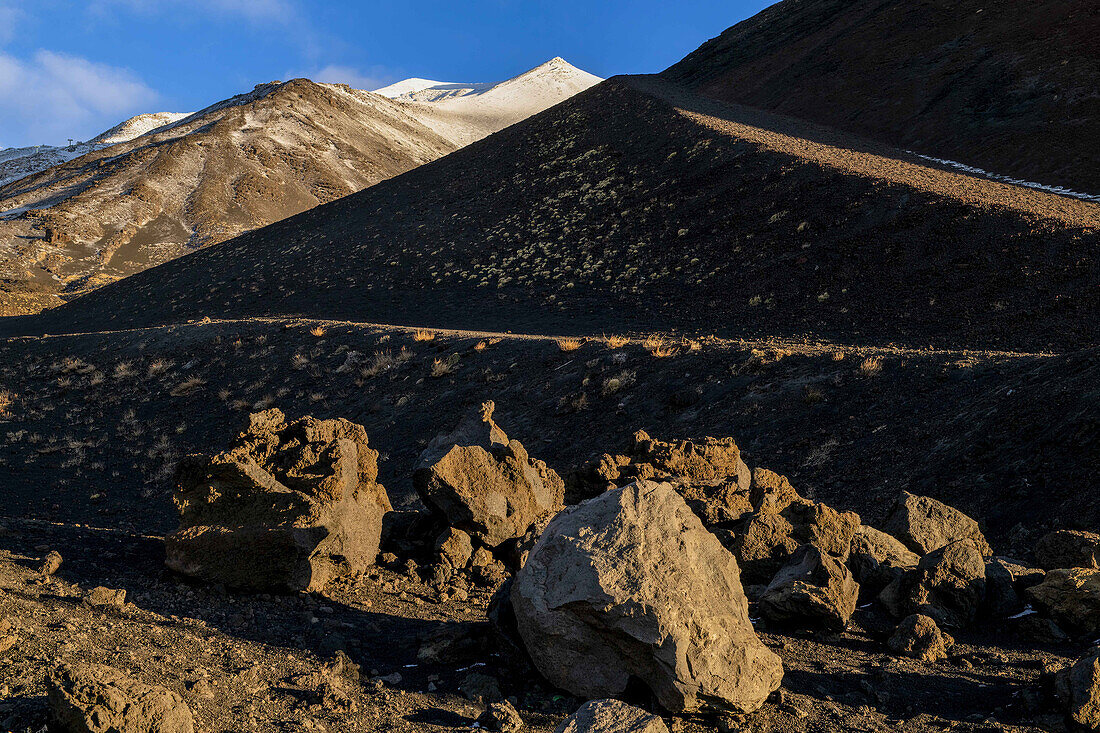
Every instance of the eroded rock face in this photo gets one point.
(631, 584)
(814, 590)
(485, 484)
(1078, 687)
(1072, 597)
(611, 716)
(947, 585)
(925, 525)
(919, 637)
(290, 506)
(93, 698)
(1067, 548)
(706, 461)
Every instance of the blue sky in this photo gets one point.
(73, 69)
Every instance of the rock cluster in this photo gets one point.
(94, 698)
(290, 506)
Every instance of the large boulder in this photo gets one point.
(814, 590)
(919, 637)
(611, 716)
(291, 506)
(877, 559)
(1078, 688)
(485, 484)
(1068, 548)
(93, 698)
(632, 585)
(947, 585)
(709, 460)
(925, 525)
(1072, 597)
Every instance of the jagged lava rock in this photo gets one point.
(814, 590)
(1068, 548)
(485, 484)
(93, 698)
(705, 461)
(631, 584)
(925, 525)
(289, 507)
(611, 716)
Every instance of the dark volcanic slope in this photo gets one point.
(1005, 85)
(621, 209)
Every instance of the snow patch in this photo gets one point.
(1008, 179)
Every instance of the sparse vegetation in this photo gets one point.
(442, 367)
(617, 342)
(187, 386)
(423, 335)
(7, 398)
(871, 366)
(318, 331)
(569, 344)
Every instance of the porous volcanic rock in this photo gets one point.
(611, 716)
(925, 525)
(93, 698)
(1068, 548)
(948, 585)
(706, 461)
(876, 558)
(814, 590)
(1078, 687)
(1072, 597)
(919, 637)
(290, 506)
(485, 484)
(631, 584)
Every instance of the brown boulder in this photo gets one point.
(632, 585)
(814, 590)
(876, 558)
(1072, 597)
(925, 525)
(948, 585)
(706, 461)
(1078, 688)
(1068, 548)
(919, 637)
(289, 507)
(485, 484)
(93, 698)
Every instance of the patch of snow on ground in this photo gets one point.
(1008, 179)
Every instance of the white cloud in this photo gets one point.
(373, 78)
(53, 96)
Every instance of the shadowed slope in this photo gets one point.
(1004, 85)
(636, 205)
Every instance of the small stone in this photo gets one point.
(500, 716)
(102, 597)
(51, 563)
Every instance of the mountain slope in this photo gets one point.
(237, 165)
(637, 205)
(1007, 86)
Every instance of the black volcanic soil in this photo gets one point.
(1004, 85)
(621, 210)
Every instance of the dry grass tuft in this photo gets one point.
(160, 366)
(442, 367)
(7, 398)
(422, 335)
(617, 342)
(318, 331)
(382, 361)
(871, 366)
(481, 346)
(569, 344)
(187, 386)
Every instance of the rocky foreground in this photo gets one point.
(670, 586)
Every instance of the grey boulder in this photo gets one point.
(611, 716)
(925, 525)
(631, 584)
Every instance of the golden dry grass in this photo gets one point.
(318, 331)
(7, 398)
(871, 366)
(617, 342)
(422, 335)
(442, 367)
(569, 344)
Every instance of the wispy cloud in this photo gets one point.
(277, 11)
(9, 22)
(53, 96)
